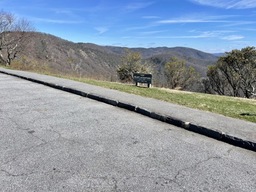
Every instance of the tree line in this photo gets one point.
(234, 74)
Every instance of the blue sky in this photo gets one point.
(208, 25)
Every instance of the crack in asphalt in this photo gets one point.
(17, 126)
(9, 174)
(162, 180)
(115, 188)
(22, 152)
(158, 180)
(194, 166)
(40, 139)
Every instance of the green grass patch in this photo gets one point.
(228, 106)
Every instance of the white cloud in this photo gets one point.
(150, 17)
(141, 27)
(195, 19)
(249, 29)
(233, 37)
(174, 21)
(198, 18)
(239, 23)
(138, 5)
(62, 11)
(56, 21)
(228, 4)
(101, 30)
(151, 32)
(222, 34)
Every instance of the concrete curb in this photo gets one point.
(221, 136)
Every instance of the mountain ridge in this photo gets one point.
(100, 62)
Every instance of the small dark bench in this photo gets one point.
(142, 78)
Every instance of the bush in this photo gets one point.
(131, 63)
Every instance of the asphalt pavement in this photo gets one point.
(59, 141)
(233, 131)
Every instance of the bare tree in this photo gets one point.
(13, 34)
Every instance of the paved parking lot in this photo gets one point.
(56, 141)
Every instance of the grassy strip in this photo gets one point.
(228, 106)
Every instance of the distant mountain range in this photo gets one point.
(219, 54)
(100, 62)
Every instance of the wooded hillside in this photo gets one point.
(45, 51)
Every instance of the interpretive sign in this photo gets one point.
(142, 78)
